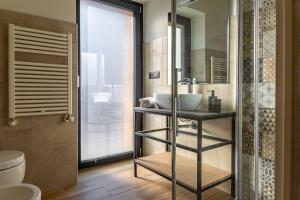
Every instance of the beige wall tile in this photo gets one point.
(49, 144)
(224, 159)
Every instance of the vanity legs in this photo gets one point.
(233, 158)
(135, 147)
(167, 133)
(135, 169)
(199, 160)
(139, 134)
(138, 150)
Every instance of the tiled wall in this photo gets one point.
(54, 9)
(266, 96)
(49, 144)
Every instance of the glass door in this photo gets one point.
(257, 101)
(107, 80)
(204, 64)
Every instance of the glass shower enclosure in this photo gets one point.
(257, 98)
(229, 48)
(204, 61)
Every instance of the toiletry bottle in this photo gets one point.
(211, 101)
(216, 107)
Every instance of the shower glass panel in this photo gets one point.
(249, 174)
(257, 102)
(107, 53)
(206, 31)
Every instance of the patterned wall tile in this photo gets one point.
(248, 71)
(248, 166)
(269, 15)
(248, 52)
(269, 70)
(267, 4)
(248, 177)
(266, 135)
(261, 22)
(248, 141)
(267, 95)
(268, 146)
(248, 17)
(248, 119)
(248, 34)
(267, 179)
(267, 121)
(269, 44)
(267, 132)
(248, 94)
(248, 129)
(248, 22)
(249, 5)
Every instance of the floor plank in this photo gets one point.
(116, 182)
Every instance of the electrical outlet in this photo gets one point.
(154, 75)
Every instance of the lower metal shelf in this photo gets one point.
(186, 171)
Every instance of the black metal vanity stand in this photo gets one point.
(161, 163)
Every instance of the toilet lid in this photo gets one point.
(9, 159)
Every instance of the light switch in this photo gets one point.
(154, 75)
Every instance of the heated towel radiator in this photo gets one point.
(38, 88)
(219, 70)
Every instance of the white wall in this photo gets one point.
(64, 10)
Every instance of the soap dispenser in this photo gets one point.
(214, 104)
(211, 100)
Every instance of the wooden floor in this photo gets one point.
(116, 182)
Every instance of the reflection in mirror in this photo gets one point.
(183, 47)
(202, 41)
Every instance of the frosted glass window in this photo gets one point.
(107, 36)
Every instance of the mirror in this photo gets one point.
(202, 41)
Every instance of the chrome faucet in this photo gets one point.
(190, 82)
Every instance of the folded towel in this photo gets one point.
(147, 102)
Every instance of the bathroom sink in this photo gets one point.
(163, 100)
(189, 101)
(185, 101)
(20, 192)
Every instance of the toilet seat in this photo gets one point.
(10, 159)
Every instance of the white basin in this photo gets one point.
(185, 101)
(20, 192)
(189, 101)
(163, 100)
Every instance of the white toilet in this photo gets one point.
(12, 167)
(12, 172)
